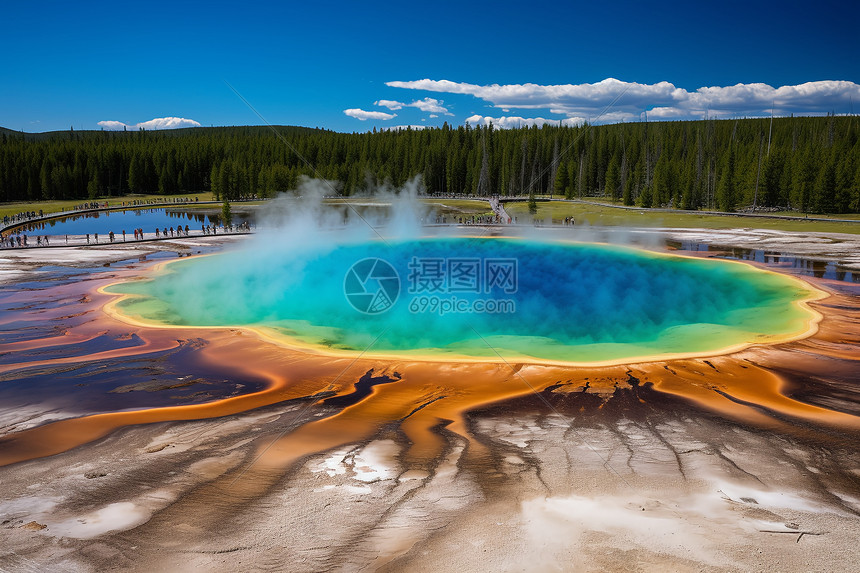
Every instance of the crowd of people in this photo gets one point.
(20, 239)
(23, 235)
(93, 205)
(22, 217)
(482, 220)
(16, 240)
(25, 216)
(159, 201)
(88, 206)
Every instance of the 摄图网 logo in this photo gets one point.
(371, 285)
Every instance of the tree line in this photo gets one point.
(808, 164)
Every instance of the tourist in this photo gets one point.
(88, 238)
(123, 235)
(156, 233)
(45, 240)
(96, 235)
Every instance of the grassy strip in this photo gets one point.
(557, 210)
(59, 206)
(853, 216)
(469, 205)
(459, 207)
(608, 216)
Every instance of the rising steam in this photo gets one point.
(572, 303)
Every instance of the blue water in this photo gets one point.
(128, 220)
(570, 302)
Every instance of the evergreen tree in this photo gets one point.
(646, 197)
(215, 181)
(688, 200)
(632, 186)
(532, 203)
(802, 181)
(681, 164)
(571, 177)
(560, 187)
(226, 213)
(45, 179)
(136, 175)
(93, 186)
(661, 191)
(613, 180)
(727, 192)
(825, 187)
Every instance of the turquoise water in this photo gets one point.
(569, 302)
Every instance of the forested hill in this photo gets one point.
(810, 164)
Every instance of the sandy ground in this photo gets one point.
(666, 492)
(17, 265)
(614, 477)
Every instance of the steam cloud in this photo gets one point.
(291, 275)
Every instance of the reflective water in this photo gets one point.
(130, 219)
(809, 267)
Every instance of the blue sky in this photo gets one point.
(306, 63)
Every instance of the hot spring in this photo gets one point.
(478, 298)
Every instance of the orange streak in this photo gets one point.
(733, 387)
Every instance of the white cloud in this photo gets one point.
(615, 100)
(111, 125)
(365, 115)
(428, 104)
(667, 113)
(811, 97)
(405, 127)
(168, 123)
(392, 105)
(511, 122)
(157, 123)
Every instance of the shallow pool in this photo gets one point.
(482, 298)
